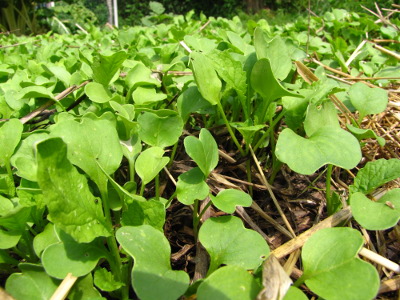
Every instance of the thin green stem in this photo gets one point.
(157, 187)
(114, 258)
(196, 218)
(10, 174)
(329, 203)
(142, 189)
(221, 110)
(248, 171)
(267, 132)
(173, 153)
(132, 170)
(204, 209)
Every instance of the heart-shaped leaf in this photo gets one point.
(206, 78)
(191, 186)
(227, 242)
(368, 100)
(152, 274)
(160, 131)
(91, 142)
(376, 215)
(44, 239)
(33, 283)
(105, 67)
(66, 193)
(204, 151)
(331, 263)
(10, 135)
(149, 163)
(374, 174)
(326, 146)
(275, 50)
(229, 282)
(264, 82)
(227, 200)
(97, 92)
(295, 293)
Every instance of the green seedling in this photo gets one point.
(232, 249)
(152, 274)
(331, 262)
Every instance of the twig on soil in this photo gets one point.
(297, 242)
(63, 289)
(267, 185)
(379, 259)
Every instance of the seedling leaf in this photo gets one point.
(149, 163)
(97, 92)
(264, 82)
(368, 100)
(160, 131)
(332, 269)
(191, 186)
(70, 257)
(91, 142)
(105, 67)
(229, 282)
(149, 212)
(10, 135)
(228, 242)
(206, 78)
(152, 275)
(227, 200)
(33, 283)
(105, 280)
(374, 174)
(204, 151)
(376, 215)
(326, 146)
(72, 207)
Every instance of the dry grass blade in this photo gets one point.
(265, 182)
(296, 243)
(390, 285)
(63, 289)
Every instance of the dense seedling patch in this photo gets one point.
(182, 160)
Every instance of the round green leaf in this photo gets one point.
(149, 163)
(379, 215)
(160, 131)
(97, 92)
(33, 283)
(326, 146)
(191, 186)
(368, 100)
(229, 282)
(228, 242)
(204, 151)
(332, 269)
(152, 275)
(227, 200)
(146, 95)
(70, 257)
